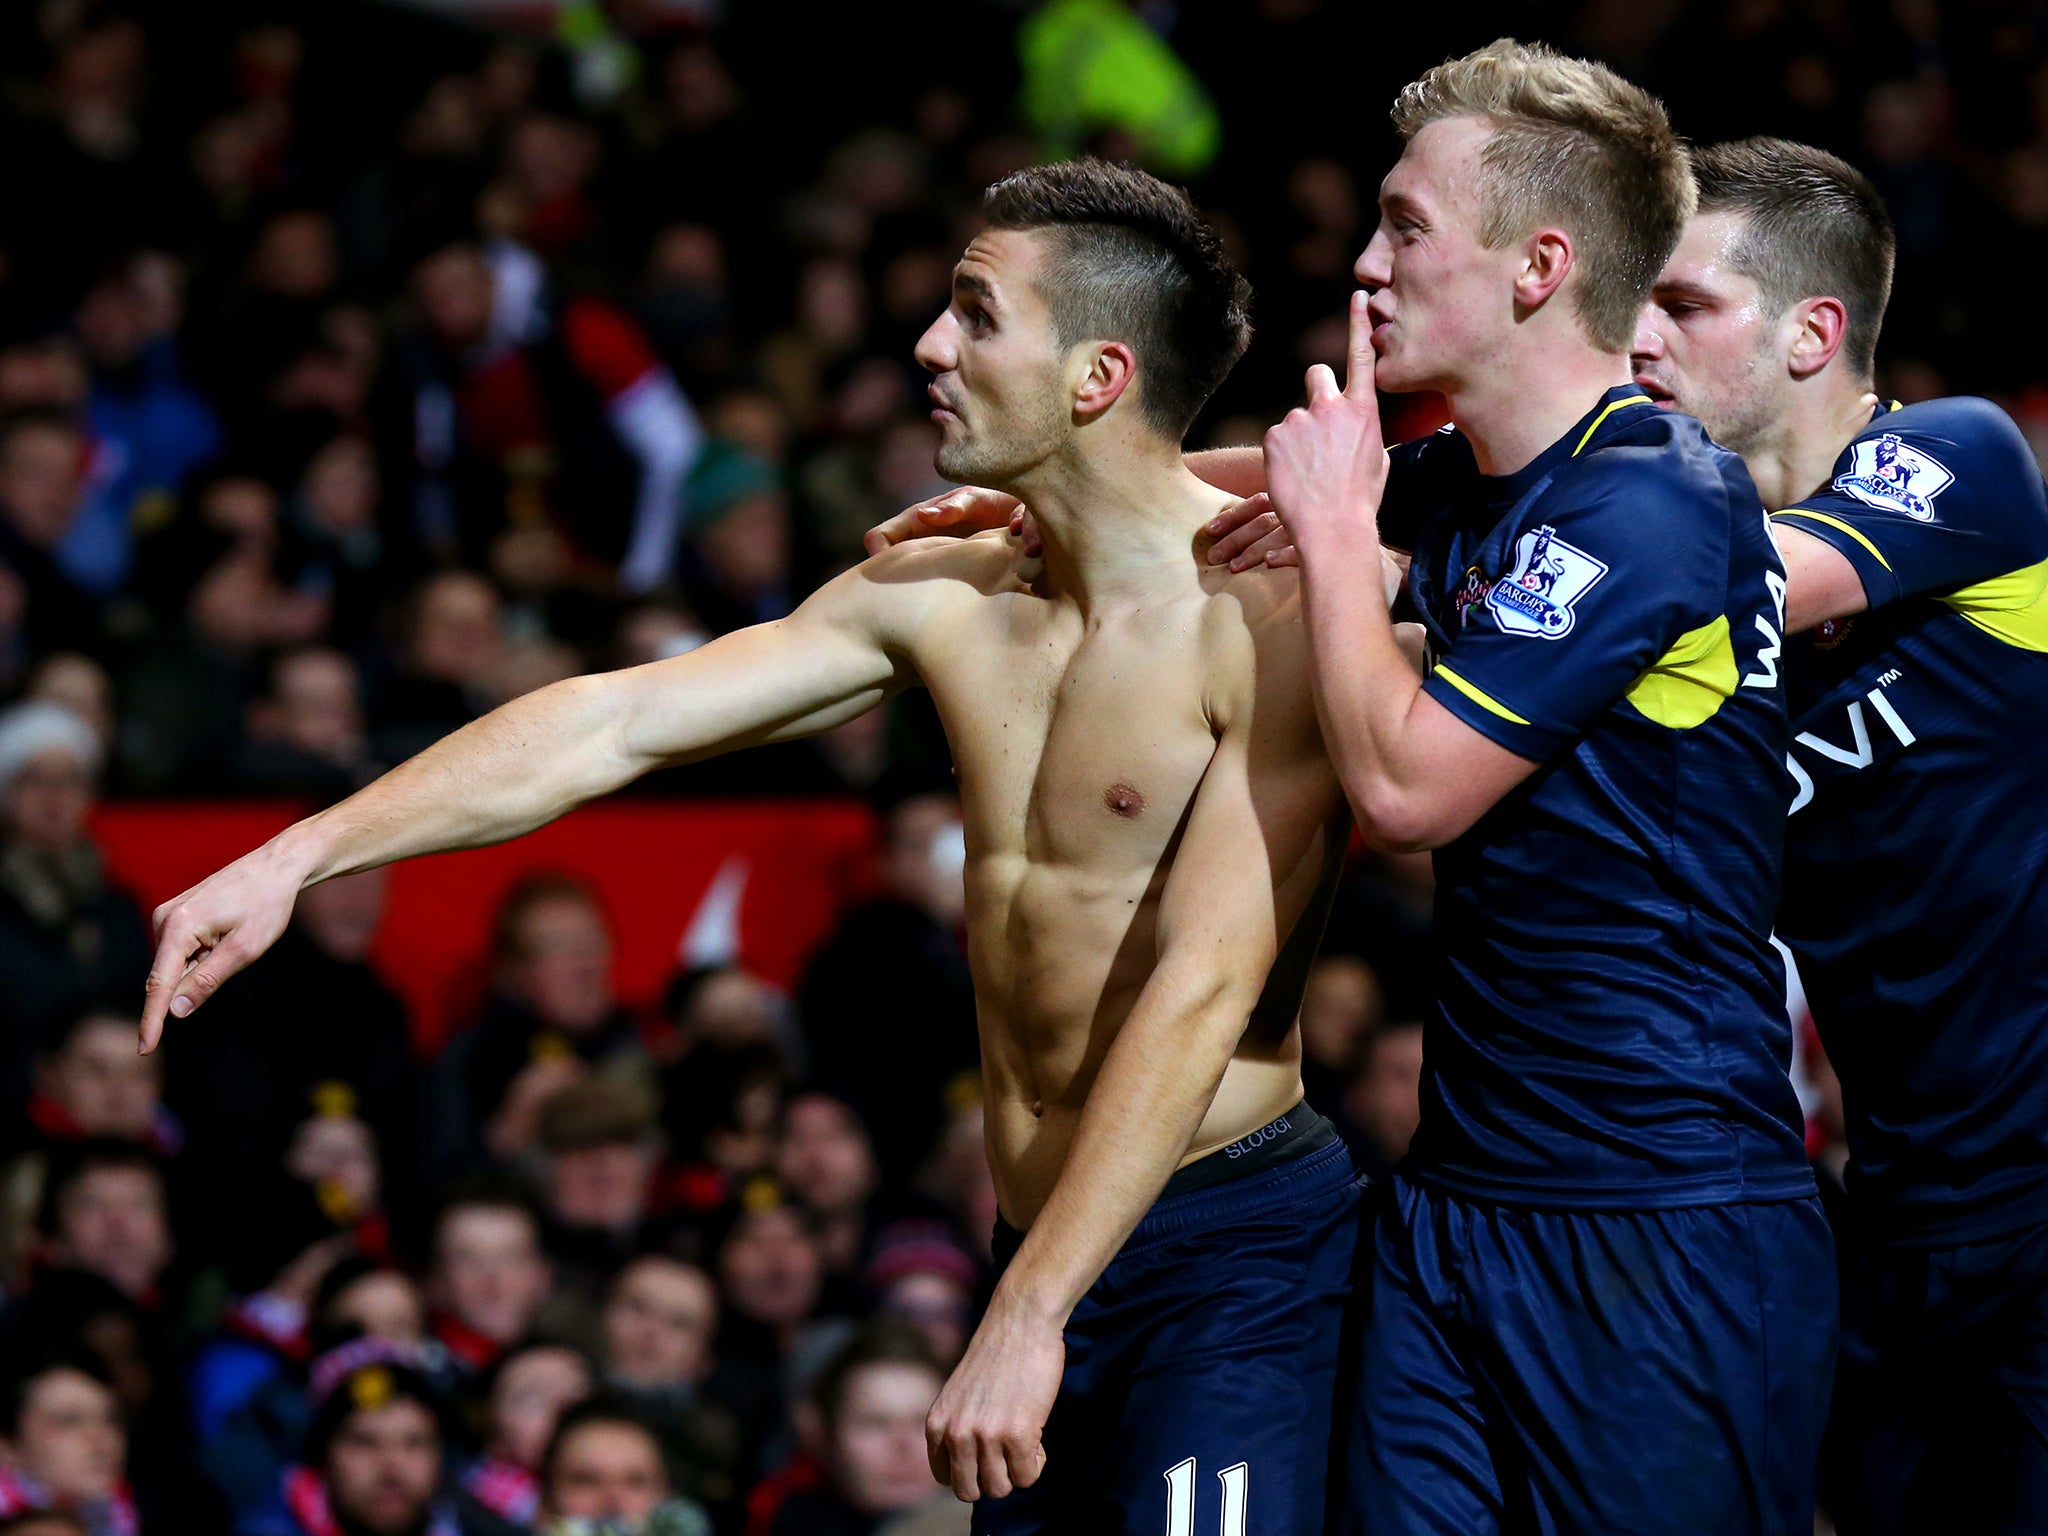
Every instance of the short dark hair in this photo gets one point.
(71, 1162)
(370, 1386)
(604, 1408)
(881, 1341)
(487, 1192)
(1133, 262)
(31, 1365)
(1813, 225)
(540, 888)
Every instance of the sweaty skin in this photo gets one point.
(1080, 750)
(1149, 809)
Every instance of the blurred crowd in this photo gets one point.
(359, 372)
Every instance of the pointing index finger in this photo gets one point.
(1359, 357)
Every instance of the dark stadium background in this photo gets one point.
(264, 531)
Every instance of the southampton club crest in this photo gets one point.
(1546, 578)
(1885, 472)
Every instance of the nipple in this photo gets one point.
(1123, 800)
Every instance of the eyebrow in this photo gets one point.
(977, 285)
(1682, 288)
(1399, 202)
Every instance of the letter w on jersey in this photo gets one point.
(1547, 577)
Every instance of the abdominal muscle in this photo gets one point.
(1060, 957)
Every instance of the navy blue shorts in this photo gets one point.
(1202, 1368)
(1596, 1373)
(1941, 1397)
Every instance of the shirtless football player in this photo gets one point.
(1150, 821)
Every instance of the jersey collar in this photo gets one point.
(1618, 406)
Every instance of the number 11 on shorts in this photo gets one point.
(1180, 1498)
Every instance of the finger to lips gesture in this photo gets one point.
(1326, 463)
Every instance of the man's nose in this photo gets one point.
(934, 351)
(1374, 268)
(1648, 345)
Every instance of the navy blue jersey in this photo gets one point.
(1610, 1030)
(1916, 878)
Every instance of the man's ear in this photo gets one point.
(1548, 257)
(1106, 371)
(1818, 327)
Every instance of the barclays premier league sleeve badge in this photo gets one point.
(1894, 476)
(1547, 576)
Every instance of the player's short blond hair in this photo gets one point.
(1576, 146)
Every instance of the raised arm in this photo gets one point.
(1248, 863)
(1416, 775)
(537, 757)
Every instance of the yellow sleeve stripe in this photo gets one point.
(1836, 522)
(2012, 608)
(1689, 683)
(1611, 409)
(1483, 700)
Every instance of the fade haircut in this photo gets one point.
(1813, 226)
(1576, 146)
(1131, 261)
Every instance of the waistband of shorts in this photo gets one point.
(1326, 1168)
(1282, 1139)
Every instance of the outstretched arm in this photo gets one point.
(535, 758)
(1248, 862)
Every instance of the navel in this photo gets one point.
(1123, 800)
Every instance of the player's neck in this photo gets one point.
(1528, 398)
(1121, 525)
(1797, 456)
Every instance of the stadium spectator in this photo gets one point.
(599, 1147)
(306, 735)
(490, 1276)
(249, 1384)
(450, 667)
(531, 1388)
(42, 463)
(739, 567)
(920, 1274)
(660, 1326)
(723, 1095)
(81, 685)
(871, 1403)
(514, 391)
(104, 1212)
(90, 1083)
(375, 1458)
(603, 1471)
(69, 939)
(828, 1164)
(64, 1448)
(554, 1014)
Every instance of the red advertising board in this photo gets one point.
(760, 881)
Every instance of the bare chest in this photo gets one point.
(1079, 747)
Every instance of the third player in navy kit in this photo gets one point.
(1919, 755)
(1920, 752)
(1916, 871)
